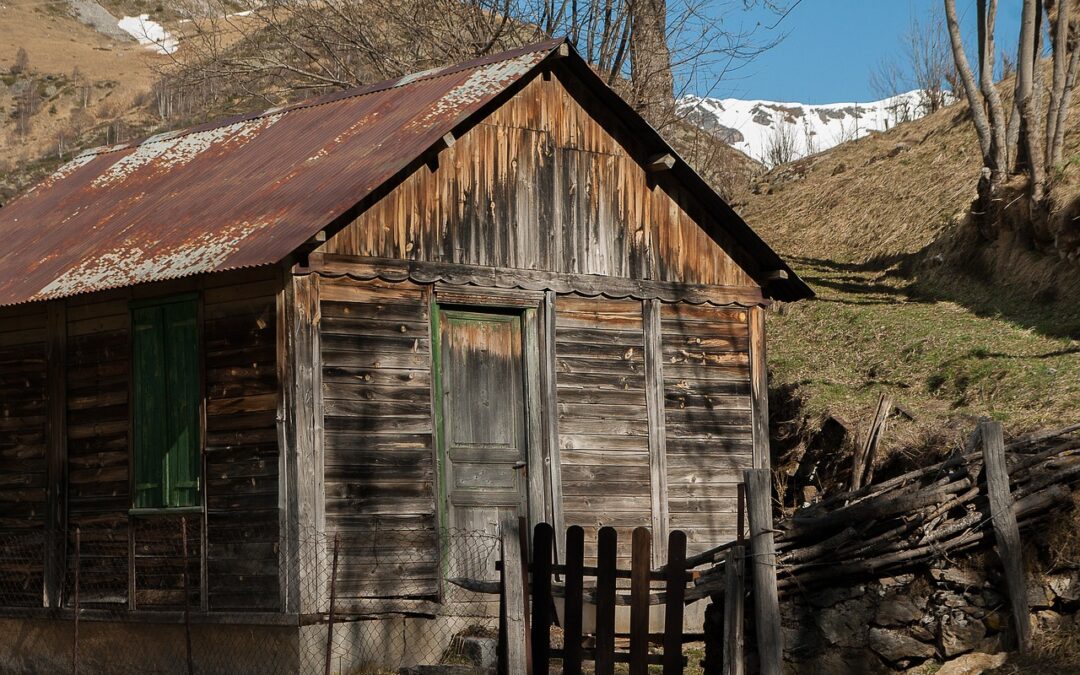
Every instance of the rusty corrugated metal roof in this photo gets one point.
(250, 190)
(241, 192)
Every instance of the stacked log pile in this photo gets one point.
(902, 523)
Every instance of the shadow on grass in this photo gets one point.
(908, 278)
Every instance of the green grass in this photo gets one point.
(869, 332)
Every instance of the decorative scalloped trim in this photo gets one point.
(564, 285)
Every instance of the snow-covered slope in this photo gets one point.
(756, 126)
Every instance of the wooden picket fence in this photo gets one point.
(525, 633)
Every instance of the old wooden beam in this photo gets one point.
(513, 601)
(759, 389)
(654, 398)
(661, 162)
(307, 441)
(56, 451)
(862, 467)
(639, 601)
(734, 593)
(549, 407)
(1005, 528)
(763, 565)
(675, 592)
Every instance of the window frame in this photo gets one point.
(162, 505)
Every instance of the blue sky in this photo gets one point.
(831, 46)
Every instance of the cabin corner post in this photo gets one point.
(759, 389)
(302, 448)
(654, 392)
(550, 410)
(56, 449)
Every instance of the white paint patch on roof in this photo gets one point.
(483, 82)
(136, 263)
(149, 33)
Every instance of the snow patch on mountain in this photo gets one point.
(149, 33)
(755, 127)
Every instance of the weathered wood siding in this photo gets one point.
(23, 448)
(603, 420)
(706, 369)
(121, 552)
(98, 445)
(540, 184)
(378, 440)
(241, 457)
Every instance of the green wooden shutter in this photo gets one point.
(182, 384)
(166, 404)
(149, 406)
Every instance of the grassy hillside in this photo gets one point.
(911, 300)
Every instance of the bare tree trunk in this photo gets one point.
(978, 115)
(998, 143)
(650, 58)
(1065, 57)
(1026, 96)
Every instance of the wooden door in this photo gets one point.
(484, 418)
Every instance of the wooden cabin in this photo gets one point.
(412, 308)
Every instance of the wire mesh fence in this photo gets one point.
(176, 594)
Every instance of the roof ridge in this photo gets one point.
(326, 99)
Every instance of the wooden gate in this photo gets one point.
(526, 635)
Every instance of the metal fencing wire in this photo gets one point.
(171, 595)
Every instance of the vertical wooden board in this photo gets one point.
(549, 407)
(575, 560)
(674, 592)
(150, 419)
(734, 593)
(607, 546)
(543, 545)
(181, 346)
(759, 383)
(1006, 530)
(763, 556)
(311, 571)
(514, 600)
(538, 474)
(654, 391)
(639, 602)
(56, 463)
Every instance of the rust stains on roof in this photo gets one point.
(242, 192)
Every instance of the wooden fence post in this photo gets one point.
(543, 544)
(763, 552)
(734, 592)
(640, 562)
(1005, 528)
(674, 592)
(575, 562)
(513, 601)
(862, 465)
(607, 542)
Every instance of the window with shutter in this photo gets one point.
(165, 403)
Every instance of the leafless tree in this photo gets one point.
(280, 49)
(781, 145)
(923, 64)
(1030, 139)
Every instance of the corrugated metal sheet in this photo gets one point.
(237, 193)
